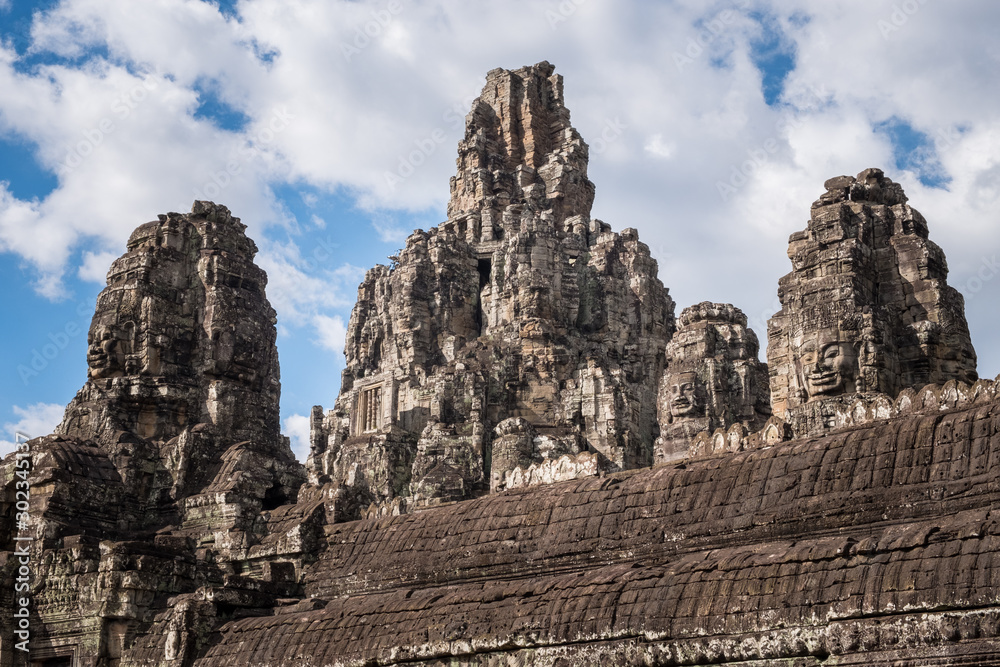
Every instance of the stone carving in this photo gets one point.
(713, 379)
(182, 360)
(866, 308)
(686, 395)
(549, 471)
(521, 150)
(518, 307)
(828, 365)
(862, 410)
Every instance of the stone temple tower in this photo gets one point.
(517, 331)
(713, 379)
(183, 380)
(866, 308)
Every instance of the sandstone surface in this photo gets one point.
(169, 458)
(713, 379)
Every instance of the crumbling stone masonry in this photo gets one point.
(713, 379)
(168, 460)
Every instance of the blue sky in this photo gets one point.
(330, 128)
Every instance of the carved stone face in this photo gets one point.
(829, 368)
(104, 356)
(684, 400)
(956, 357)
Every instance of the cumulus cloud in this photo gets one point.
(95, 266)
(35, 421)
(390, 229)
(340, 97)
(296, 427)
(660, 147)
(124, 147)
(301, 285)
(331, 332)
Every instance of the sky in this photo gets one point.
(330, 127)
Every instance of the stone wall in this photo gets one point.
(875, 545)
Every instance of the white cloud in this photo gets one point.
(300, 284)
(331, 331)
(297, 429)
(124, 147)
(390, 229)
(303, 291)
(95, 266)
(659, 147)
(351, 121)
(35, 421)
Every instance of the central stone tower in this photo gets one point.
(518, 331)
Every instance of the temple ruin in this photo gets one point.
(530, 461)
(713, 379)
